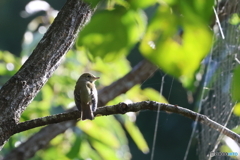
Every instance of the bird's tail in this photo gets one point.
(87, 114)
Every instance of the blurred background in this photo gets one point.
(180, 30)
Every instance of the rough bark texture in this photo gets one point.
(19, 91)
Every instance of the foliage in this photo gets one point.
(177, 31)
(236, 91)
(124, 31)
(174, 35)
(56, 96)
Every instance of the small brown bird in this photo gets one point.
(85, 95)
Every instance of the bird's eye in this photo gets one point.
(88, 76)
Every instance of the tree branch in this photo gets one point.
(19, 91)
(123, 108)
(138, 74)
(108, 93)
(39, 140)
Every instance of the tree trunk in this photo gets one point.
(20, 90)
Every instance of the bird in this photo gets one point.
(86, 96)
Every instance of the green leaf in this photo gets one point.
(197, 10)
(113, 126)
(236, 129)
(75, 148)
(142, 3)
(113, 3)
(178, 54)
(8, 57)
(105, 152)
(137, 136)
(110, 70)
(110, 34)
(99, 133)
(93, 3)
(47, 92)
(136, 94)
(3, 69)
(234, 20)
(236, 84)
(86, 151)
(51, 153)
(236, 109)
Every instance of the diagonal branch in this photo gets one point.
(41, 138)
(142, 71)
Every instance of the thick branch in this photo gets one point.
(122, 108)
(41, 138)
(19, 91)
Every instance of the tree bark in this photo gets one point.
(20, 90)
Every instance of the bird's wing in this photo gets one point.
(86, 102)
(77, 98)
(94, 100)
(93, 95)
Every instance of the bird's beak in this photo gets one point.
(95, 78)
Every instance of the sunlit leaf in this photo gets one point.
(107, 132)
(170, 2)
(225, 149)
(236, 110)
(8, 57)
(9, 64)
(75, 148)
(58, 139)
(137, 136)
(99, 133)
(236, 129)
(236, 85)
(137, 94)
(113, 3)
(110, 123)
(3, 69)
(142, 3)
(47, 92)
(112, 40)
(176, 44)
(110, 69)
(51, 153)
(197, 10)
(234, 20)
(86, 151)
(106, 152)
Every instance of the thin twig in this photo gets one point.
(219, 24)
